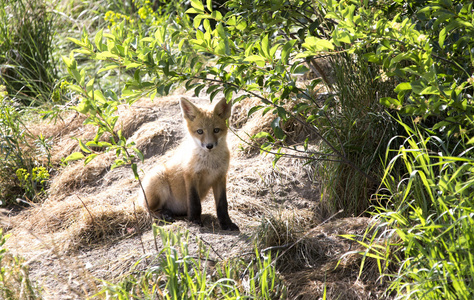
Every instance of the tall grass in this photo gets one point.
(27, 65)
(176, 273)
(359, 127)
(428, 212)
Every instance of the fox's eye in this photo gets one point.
(200, 131)
(217, 130)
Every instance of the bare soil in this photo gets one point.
(89, 229)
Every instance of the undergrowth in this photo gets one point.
(425, 221)
(177, 273)
(360, 128)
(28, 67)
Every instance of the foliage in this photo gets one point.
(176, 274)
(22, 173)
(425, 45)
(14, 277)
(27, 63)
(254, 59)
(360, 128)
(427, 226)
(33, 183)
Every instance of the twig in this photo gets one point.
(92, 217)
(210, 245)
(148, 209)
(139, 231)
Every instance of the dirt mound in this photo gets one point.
(89, 227)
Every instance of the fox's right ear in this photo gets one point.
(188, 109)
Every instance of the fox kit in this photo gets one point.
(201, 163)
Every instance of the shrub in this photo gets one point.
(248, 57)
(27, 63)
(21, 173)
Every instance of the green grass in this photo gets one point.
(427, 213)
(358, 126)
(176, 273)
(28, 66)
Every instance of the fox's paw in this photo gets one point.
(230, 226)
(196, 221)
(167, 216)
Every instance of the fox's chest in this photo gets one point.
(209, 162)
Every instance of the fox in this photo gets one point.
(201, 162)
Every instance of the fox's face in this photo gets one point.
(207, 128)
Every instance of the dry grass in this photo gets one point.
(338, 271)
(91, 206)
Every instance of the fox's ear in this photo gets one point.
(188, 109)
(223, 109)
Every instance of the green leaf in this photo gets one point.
(404, 86)
(266, 47)
(107, 68)
(89, 158)
(254, 109)
(430, 90)
(317, 45)
(197, 4)
(83, 107)
(263, 134)
(98, 39)
(209, 5)
(259, 60)
(132, 65)
(279, 134)
(74, 156)
(442, 37)
(135, 171)
(67, 61)
(389, 102)
(83, 146)
(192, 10)
(286, 51)
(139, 154)
(89, 85)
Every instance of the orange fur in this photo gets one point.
(199, 164)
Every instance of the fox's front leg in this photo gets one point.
(220, 196)
(193, 201)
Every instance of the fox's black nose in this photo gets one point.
(209, 146)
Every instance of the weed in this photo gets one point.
(21, 173)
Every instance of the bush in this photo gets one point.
(360, 128)
(27, 63)
(22, 174)
(248, 57)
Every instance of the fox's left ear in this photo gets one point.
(223, 109)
